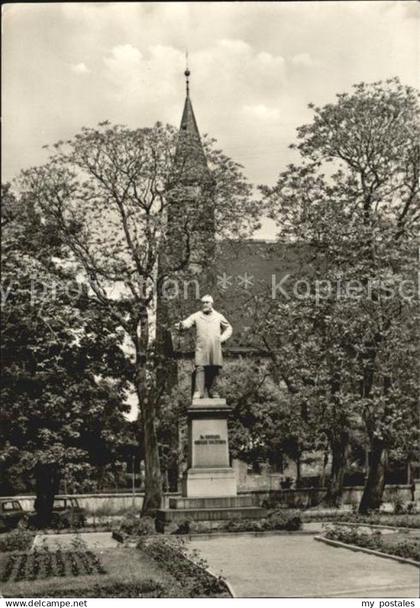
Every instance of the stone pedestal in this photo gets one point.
(209, 482)
(209, 485)
(209, 473)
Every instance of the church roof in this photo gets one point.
(190, 159)
(245, 271)
(249, 270)
(188, 121)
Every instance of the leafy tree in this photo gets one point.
(108, 193)
(306, 357)
(254, 403)
(60, 374)
(263, 425)
(360, 215)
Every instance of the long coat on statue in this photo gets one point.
(212, 330)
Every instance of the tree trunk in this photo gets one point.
(324, 469)
(146, 392)
(298, 471)
(101, 476)
(173, 475)
(153, 477)
(167, 365)
(375, 483)
(47, 485)
(339, 449)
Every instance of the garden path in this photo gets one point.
(297, 566)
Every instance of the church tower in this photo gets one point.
(188, 252)
(191, 213)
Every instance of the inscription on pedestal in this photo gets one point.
(209, 440)
(210, 450)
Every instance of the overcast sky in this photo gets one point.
(255, 66)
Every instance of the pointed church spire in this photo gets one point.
(190, 153)
(188, 122)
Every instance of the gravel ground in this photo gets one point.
(298, 566)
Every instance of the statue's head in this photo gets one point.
(207, 304)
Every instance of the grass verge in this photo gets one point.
(400, 544)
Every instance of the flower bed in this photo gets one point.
(129, 573)
(188, 568)
(133, 528)
(45, 564)
(276, 520)
(408, 548)
(411, 520)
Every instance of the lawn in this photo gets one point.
(163, 569)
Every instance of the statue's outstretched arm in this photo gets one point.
(186, 323)
(227, 329)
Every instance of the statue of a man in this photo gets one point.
(212, 329)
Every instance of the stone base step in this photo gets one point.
(210, 514)
(209, 482)
(212, 502)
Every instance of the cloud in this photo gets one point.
(234, 46)
(261, 112)
(144, 79)
(304, 60)
(265, 59)
(225, 70)
(79, 68)
(255, 66)
(123, 55)
(231, 69)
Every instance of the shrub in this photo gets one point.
(137, 526)
(185, 527)
(409, 520)
(408, 548)
(397, 501)
(276, 520)
(17, 540)
(352, 536)
(245, 525)
(281, 520)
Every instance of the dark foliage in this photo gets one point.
(409, 548)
